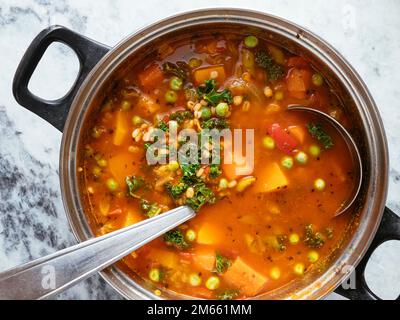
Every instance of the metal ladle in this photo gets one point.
(355, 154)
(44, 277)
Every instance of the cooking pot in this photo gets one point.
(372, 223)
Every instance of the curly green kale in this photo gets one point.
(134, 183)
(313, 239)
(202, 195)
(221, 263)
(228, 294)
(176, 238)
(208, 92)
(150, 209)
(265, 61)
(318, 132)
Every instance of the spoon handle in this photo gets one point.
(51, 274)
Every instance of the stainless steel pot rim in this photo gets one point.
(376, 192)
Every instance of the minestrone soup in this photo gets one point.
(259, 225)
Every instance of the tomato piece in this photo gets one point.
(298, 62)
(298, 82)
(284, 141)
(151, 76)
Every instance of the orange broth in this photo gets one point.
(244, 242)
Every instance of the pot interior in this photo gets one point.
(363, 128)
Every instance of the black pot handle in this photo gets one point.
(89, 52)
(389, 229)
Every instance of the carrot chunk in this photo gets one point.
(270, 179)
(298, 132)
(204, 258)
(121, 165)
(209, 234)
(132, 217)
(121, 128)
(243, 276)
(203, 74)
(298, 82)
(239, 166)
(166, 258)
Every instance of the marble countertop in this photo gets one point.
(32, 219)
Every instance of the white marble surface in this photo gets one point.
(32, 220)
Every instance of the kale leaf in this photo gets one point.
(228, 294)
(176, 190)
(317, 132)
(150, 209)
(221, 263)
(189, 173)
(313, 239)
(265, 61)
(181, 115)
(179, 69)
(134, 183)
(163, 126)
(202, 195)
(176, 238)
(208, 92)
(215, 171)
(215, 123)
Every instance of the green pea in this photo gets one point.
(155, 274)
(251, 41)
(223, 184)
(175, 83)
(205, 113)
(319, 184)
(287, 162)
(89, 151)
(136, 120)
(171, 96)
(96, 132)
(96, 171)
(317, 79)
(102, 162)
(125, 105)
(268, 142)
(315, 150)
(279, 95)
(301, 157)
(194, 63)
(173, 166)
(191, 235)
(112, 185)
(275, 273)
(212, 283)
(294, 238)
(195, 279)
(313, 256)
(222, 109)
(298, 269)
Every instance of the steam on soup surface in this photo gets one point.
(253, 233)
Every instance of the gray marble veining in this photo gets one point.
(32, 220)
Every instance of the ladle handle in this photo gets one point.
(389, 229)
(51, 274)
